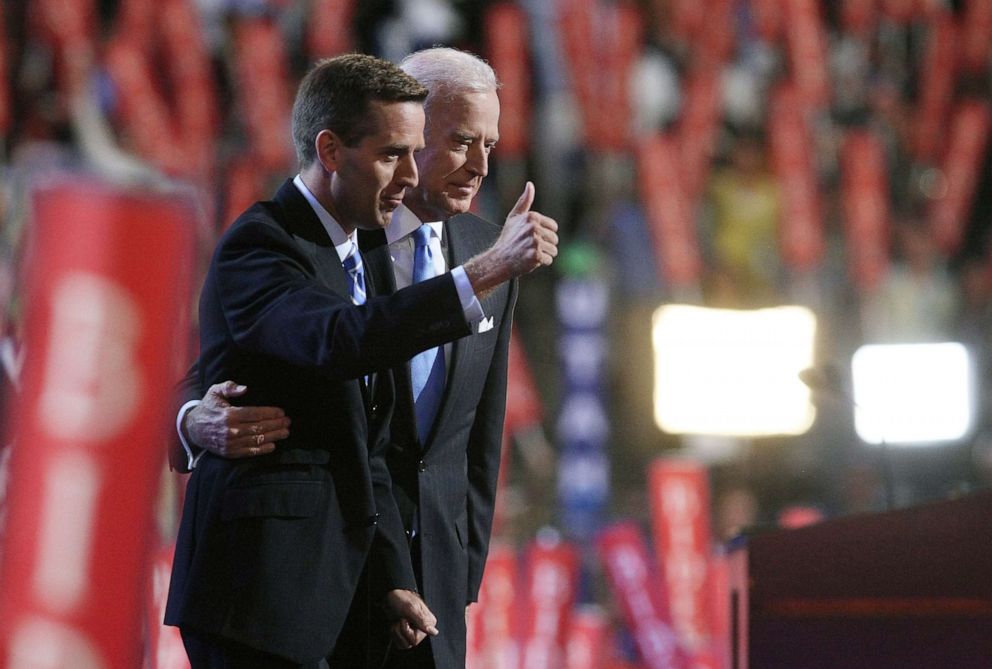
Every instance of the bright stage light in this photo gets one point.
(732, 372)
(912, 393)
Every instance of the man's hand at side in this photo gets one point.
(413, 620)
(234, 432)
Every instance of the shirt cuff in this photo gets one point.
(470, 303)
(191, 458)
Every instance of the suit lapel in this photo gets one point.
(301, 221)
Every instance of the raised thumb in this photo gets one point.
(526, 200)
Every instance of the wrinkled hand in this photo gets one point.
(413, 620)
(234, 432)
(528, 240)
(531, 238)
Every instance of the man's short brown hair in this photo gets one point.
(336, 93)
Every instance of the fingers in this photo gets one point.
(227, 389)
(525, 200)
(404, 636)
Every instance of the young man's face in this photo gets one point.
(373, 176)
(459, 136)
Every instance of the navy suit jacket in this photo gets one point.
(451, 479)
(271, 549)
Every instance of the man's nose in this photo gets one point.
(406, 172)
(478, 160)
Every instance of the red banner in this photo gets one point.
(523, 401)
(165, 645)
(715, 44)
(976, 36)
(680, 510)
(506, 34)
(808, 52)
(587, 638)
(969, 136)
(859, 16)
(902, 11)
(578, 19)
(668, 214)
(5, 112)
(801, 226)
(552, 577)
(936, 88)
(70, 26)
(329, 28)
(688, 19)
(865, 193)
(107, 290)
(767, 18)
(624, 554)
(262, 78)
(620, 47)
(494, 634)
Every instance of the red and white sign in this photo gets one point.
(587, 638)
(552, 574)
(976, 36)
(624, 555)
(800, 226)
(507, 33)
(808, 51)
(969, 136)
(680, 510)
(767, 18)
(329, 28)
(859, 16)
(494, 632)
(936, 88)
(698, 130)
(165, 645)
(5, 113)
(668, 214)
(107, 291)
(865, 193)
(262, 77)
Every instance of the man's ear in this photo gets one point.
(328, 146)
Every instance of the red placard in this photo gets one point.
(5, 114)
(976, 36)
(578, 39)
(165, 646)
(552, 576)
(624, 555)
(801, 226)
(865, 192)
(936, 88)
(494, 637)
(688, 18)
(859, 16)
(680, 510)
(262, 77)
(329, 28)
(902, 11)
(107, 288)
(969, 136)
(620, 45)
(506, 34)
(587, 638)
(668, 214)
(767, 18)
(523, 401)
(808, 51)
(70, 26)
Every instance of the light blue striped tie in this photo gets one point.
(426, 368)
(356, 275)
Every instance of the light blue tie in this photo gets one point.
(356, 275)
(426, 368)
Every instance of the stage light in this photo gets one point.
(732, 372)
(912, 393)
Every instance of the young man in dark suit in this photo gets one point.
(271, 550)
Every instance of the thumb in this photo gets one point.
(526, 200)
(231, 389)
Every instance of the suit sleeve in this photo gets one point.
(274, 304)
(484, 446)
(187, 390)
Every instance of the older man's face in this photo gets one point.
(458, 138)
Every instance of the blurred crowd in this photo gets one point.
(198, 91)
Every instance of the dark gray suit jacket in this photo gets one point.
(452, 478)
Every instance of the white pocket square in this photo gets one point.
(485, 325)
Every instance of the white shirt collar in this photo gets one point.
(342, 243)
(404, 222)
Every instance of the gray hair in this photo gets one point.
(447, 72)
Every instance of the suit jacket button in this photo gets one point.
(421, 466)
